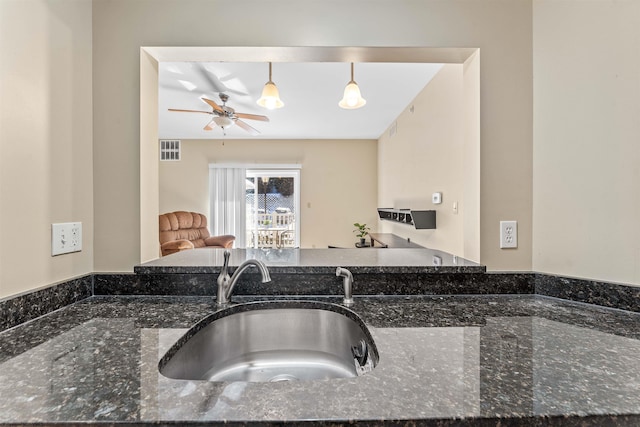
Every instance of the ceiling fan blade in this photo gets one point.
(252, 117)
(219, 83)
(211, 78)
(211, 125)
(246, 127)
(213, 105)
(190, 111)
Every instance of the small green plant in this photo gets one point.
(361, 230)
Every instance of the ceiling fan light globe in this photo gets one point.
(223, 122)
(270, 98)
(352, 98)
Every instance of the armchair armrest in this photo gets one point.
(174, 246)
(225, 241)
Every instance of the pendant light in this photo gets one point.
(352, 98)
(270, 98)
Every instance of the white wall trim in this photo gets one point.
(268, 166)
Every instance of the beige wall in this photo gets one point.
(471, 157)
(426, 155)
(338, 181)
(585, 202)
(149, 154)
(500, 28)
(46, 159)
(587, 139)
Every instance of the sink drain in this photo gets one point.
(283, 377)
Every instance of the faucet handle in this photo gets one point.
(223, 277)
(223, 280)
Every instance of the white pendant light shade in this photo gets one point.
(352, 98)
(270, 98)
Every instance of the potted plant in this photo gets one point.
(361, 231)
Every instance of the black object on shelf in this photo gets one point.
(419, 219)
(366, 245)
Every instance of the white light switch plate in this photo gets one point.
(66, 238)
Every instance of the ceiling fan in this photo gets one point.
(225, 116)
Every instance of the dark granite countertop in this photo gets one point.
(316, 261)
(517, 360)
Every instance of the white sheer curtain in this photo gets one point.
(228, 205)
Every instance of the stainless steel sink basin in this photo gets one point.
(273, 341)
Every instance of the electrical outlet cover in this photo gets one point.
(66, 238)
(508, 234)
(436, 198)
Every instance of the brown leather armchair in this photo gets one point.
(188, 230)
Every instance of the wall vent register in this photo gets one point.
(418, 218)
(169, 150)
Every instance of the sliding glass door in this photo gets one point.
(272, 208)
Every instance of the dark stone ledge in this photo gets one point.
(605, 294)
(31, 305)
(323, 283)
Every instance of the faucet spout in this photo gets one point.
(226, 284)
(347, 280)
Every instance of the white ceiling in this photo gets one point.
(310, 91)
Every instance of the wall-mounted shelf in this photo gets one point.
(419, 219)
